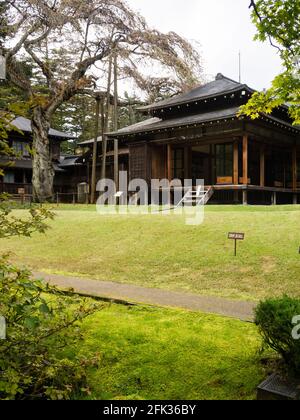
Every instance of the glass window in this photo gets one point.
(26, 150)
(224, 160)
(21, 148)
(18, 147)
(178, 163)
(9, 178)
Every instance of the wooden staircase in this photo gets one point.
(197, 197)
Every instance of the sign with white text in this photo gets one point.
(236, 237)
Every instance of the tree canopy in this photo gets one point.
(278, 22)
(69, 42)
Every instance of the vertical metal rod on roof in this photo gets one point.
(116, 142)
(240, 67)
(95, 148)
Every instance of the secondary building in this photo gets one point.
(18, 169)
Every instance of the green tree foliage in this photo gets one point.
(277, 21)
(127, 111)
(76, 116)
(11, 94)
(39, 325)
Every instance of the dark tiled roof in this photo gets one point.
(22, 164)
(68, 161)
(154, 124)
(89, 142)
(221, 86)
(24, 125)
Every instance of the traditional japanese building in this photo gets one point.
(18, 169)
(200, 135)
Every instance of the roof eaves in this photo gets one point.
(177, 125)
(154, 106)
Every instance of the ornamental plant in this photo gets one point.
(275, 320)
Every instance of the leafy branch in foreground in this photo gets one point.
(277, 21)
(39, 328)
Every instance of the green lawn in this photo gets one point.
(150, 353)
(161, 251)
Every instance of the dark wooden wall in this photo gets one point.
(159, 156)
(140, 161)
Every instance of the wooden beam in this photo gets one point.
(294, 168)
(262, 165)
(245, 160)
(236, 163)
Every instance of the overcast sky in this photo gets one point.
(223, 27)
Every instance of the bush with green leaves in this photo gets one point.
(41, 321)
(274, 318)
(39, 327)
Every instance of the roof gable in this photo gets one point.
(220, 86)
(24, 124)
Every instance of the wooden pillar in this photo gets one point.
(187, 151)
(169, 162)
(262, 165)
(236, 163)
(211, 176)
(236, 170)
(95, 151)
(245, 160)
(294, 168)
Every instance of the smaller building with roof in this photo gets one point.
(18, 169)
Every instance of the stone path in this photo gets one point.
(137, 294)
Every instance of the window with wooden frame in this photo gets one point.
(178, 163)
(224, 163)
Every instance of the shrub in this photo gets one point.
(32, 361)
(274, 318)
(39, 327)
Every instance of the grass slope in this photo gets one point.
(161, 251)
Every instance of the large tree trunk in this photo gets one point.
(42, 166)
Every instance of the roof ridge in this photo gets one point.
(221, 76)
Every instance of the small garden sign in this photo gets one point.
(236, 237)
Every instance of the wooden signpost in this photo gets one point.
(21, 192)
(236, 237)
